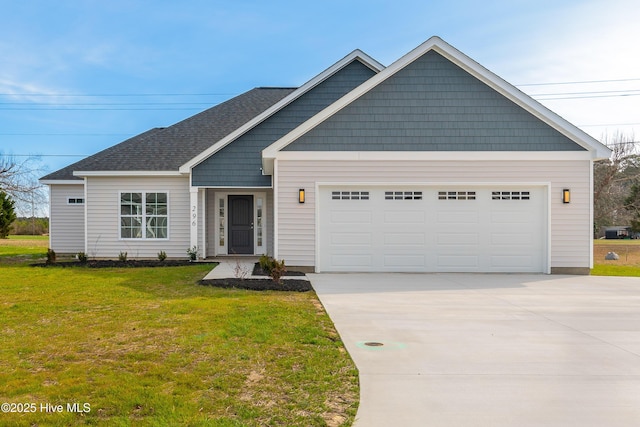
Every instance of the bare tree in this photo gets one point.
(612, 182)
(19, 179)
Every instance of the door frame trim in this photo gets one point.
(223, 249)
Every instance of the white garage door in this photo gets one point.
(432, 229)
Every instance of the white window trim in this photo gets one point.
(75, 199)
(144, 216)
(257, 250)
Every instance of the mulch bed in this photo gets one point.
(289, 285)
(257, 271)
(107, 263)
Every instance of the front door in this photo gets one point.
(240, 225)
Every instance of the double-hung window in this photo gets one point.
(144, 215)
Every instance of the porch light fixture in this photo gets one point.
(301, 195)
(566, 196)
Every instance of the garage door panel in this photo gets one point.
(457, 239)
(351, 217)
(458, 261)
(503, 239)
(467, 229)
(404, 217)
(350, 239)
(510, 217)
(511, 261)
(413, 261)
(346, 262)
(401, 239)
(457, 217)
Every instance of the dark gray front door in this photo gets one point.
(240, 224)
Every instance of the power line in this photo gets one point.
(100, 109)
(611, 124)
(589, 93)
(48, 155)
(114, 94)
(580, 82)
(64, 134)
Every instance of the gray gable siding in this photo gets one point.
(239, 163)
(433, 105)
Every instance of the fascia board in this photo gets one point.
(355, 55)
(597, 149)
(473, 156)
(61, 181)
(126, 173)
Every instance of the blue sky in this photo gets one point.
(79, 76)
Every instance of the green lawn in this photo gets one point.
(22, 248)
(150, 347)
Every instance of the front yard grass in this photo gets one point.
(150, 347)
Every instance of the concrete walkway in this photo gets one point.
(490, 350)
(229, 268)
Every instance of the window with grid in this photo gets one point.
(403, 195)
(144, 215)
(350, 195)
(510, 195)
(456, 195)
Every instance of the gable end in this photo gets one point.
(433, 105)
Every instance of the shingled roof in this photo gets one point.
(166, 149)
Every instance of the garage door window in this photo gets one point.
(510, 195)
(350, 195)
(456, 195)
(403, 195)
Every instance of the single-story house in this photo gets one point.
(432, 164)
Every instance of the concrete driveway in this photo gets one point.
(489, 349)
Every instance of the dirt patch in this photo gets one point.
(629, 252)
(290, 285)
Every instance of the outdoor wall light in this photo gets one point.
(566, 196)
(301, 195)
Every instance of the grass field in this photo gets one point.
(150, 347)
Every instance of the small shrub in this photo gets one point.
(266, 263)
(82, 257)
(122, 256)
(51, 256)
(277, 271)
(193, 253)
(162, 255)
(272, 267)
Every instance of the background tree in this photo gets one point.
(7, 214)
(19, 179)
(613, 180)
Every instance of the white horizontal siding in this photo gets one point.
(66, 223)
(103, 206)
(570, 223)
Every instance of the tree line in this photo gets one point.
(616, 186)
